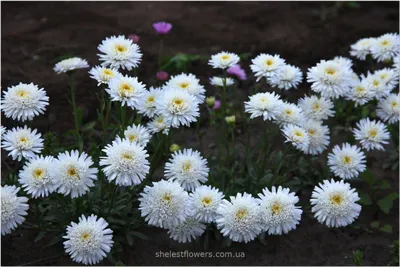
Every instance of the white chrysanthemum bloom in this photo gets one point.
(70, 64)
(72, 173)
(178, 107)
(240, 218)
(378, 86)
(343, 61)
(218, 81)
(347, 161)
(287, 77)
(138, 134)
(290, 113)
(386, 47)
(188, 83)
(102, 74)
(187, 230)
(297, 135)
(89, 240)
(371, 134)
(125, 162)
(204, 203)
(165, 204)
(388, 109)
(334, 203)
(119, 52)
(147, 103)
(126, 89)
(22, 143)
(361, 92)
(188, 168)
(388, 76)
(158, 124)
(319, 137)
(279, 212)
(223, 60)
(317, 108)
(13, 208)
(265, 65)
(2, 131)
(396, 67)
(362, 48)
(266, 105)
(330, 78)
(35, 177)
(24, 101)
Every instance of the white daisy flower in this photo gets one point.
(125, 162)
(165, 204)
(187, 230)
(240, 218)
(204, 203)
(147, 103)
(266, 105)
(319, 137)
(343, 61)
(297, 135)
(22, 143)
(103, 75)
(24, 101)
(266, 65)
(287, 77)
(347, 162)
(386, 47)
(317, 108)
(289, 113)
(218, 81)
(138, 134)
(362, 48)
(126, 89)
(2, 131)
(35, 177)
(388, 109)
(13, 209)
(158, 124)
(361, 92)
(334, 203)
(223, 60)
(396, 67)
(70, 64)
(371, 134)
(388, 76)
(178, 107)
(188, 83)
(119, 52)
(188, 168)
(278, 211)
(89, 240)
(72, 173)
(378, 87)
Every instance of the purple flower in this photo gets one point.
(237, 71)
(162, 27)
(162, 75)
(217, 104)
(134, 37)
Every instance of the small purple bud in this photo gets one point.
(162, 75)
(217, 104)
(162, 27)
(134, 37)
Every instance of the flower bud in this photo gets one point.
(174, 147)
(210, 101)
(230, 119)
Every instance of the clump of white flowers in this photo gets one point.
(13, 209)
(188, 83)
(386, 47)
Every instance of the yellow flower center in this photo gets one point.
(316, 106)
(372, 133)
(288, 112)
(150, 99)
(120, 48)
(184, 85)
(38, 173)
(187, 166)
(23, 140)
(160, 120)
(347, 159)
(375, 83)
(264, 99)
(311, 131)
(73, 172)
(360, 89)
(240, 214)
(178, 102)
(85, 235)
(276, 208)
(206, 201)
(125, 89)
(330, 71)
(126, 155)
(383, 76)
(225, 57)
(297, 133)
(22, 93)
(385, 42)
(269, 62)
(394, 104)
(167, 197)
(108, 72)
(336, 199)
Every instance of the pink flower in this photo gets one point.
(237, 71)
(162, 27)
(217, 104)
(134, 37)
(162, 75)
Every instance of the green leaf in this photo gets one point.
(369, 177)
(79, 116)
(375, 224)
(365, 199)
(393, 196)
(387, 228)
(383, 184)
(88, 126)
(40, 236)
(385, 204)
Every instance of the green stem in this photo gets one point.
(112, 200)
(123, 118)
(280, 163)
(224, 104)
(75, 112)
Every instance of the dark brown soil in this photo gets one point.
(34, 34)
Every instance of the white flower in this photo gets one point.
(371, 134)
(72, 173)
(126, 89)
(266, 105)
(239, 219)
(188, 83)
(218, 81)
(158, 124)
(103, 75)
(362, 48)
(347, 162)
(138, 134)
(70, 64)
(290, 113)
(223, 60)
(89, 240)
(297, 135)
(278, 211)
(147, 103)
(119, 52)
(319, 137)
(13, 208)
(388, 76)
(35, 177)
(2, 131)
(388, 108)
(344, 62)
(386, 47)
(22, 143)
(178, 107)
(286, 78)
(187, 230)
(265, 65)
(378, 87)
(396, 67)
(330, 78)
(204, 203)
(334, 203)
(24, 101)
(188, 168)
(165, 204)
(361, 92)
(317, 108)
(125, 162)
